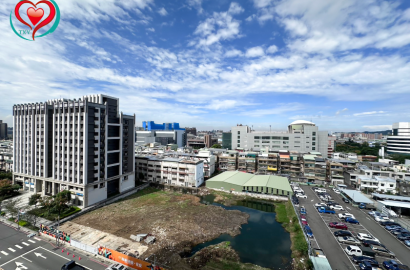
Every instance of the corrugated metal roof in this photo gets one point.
(279, 183)
(356, 196)
(392, 197)
(257, 181)
(309, 157)
(396, 204)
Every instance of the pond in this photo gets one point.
(263, 241)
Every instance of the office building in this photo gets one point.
(301, 136)
(191, 131)
(399, 142)
(85, 146)
(197, 143)
(163, 137)
(3, 130)
(227, 140)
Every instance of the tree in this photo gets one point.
(61, 200)
(7, 189)
(11, 207)
(34, 199)
(47, 202)
(216, 146)
(32, 219)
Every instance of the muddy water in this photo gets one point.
(262, 241)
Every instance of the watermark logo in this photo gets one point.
(35, 15)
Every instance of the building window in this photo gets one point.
(297, 141)
(239, 137)
(307, 146)
(313, 133)
(239, 141)
(313, 143)
(313, 148)
(239, 133)
(239, 145)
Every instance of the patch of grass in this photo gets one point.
(42, 212)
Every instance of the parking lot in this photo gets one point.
(334, 250)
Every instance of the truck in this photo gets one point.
(367, 206)
(360, 251)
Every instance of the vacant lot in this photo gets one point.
(178, 221)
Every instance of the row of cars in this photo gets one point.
(394, 228)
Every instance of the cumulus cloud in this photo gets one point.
(255, 52)
(233, 53)
(272, 49)
(162, 12)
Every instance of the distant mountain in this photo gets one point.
(385, 132)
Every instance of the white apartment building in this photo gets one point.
(163, 137)
(209, 162)
(378, 183)
(187, 172)
(399, 143)
(85, 146)
(302, 136)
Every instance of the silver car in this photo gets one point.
(348, 240)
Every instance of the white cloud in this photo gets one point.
(378, 127)
(368, 113)
(250, 18)
(296, 27)
(255, 52)
(151, 29)
(163, 12)
(233, 53)
(197, 4)
(272, 49)
(340, 111)
(221, 26)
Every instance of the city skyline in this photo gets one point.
(343, 65)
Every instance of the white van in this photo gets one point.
(353, 251)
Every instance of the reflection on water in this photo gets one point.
(263, 241)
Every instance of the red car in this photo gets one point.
(304, 220)
(338, 225)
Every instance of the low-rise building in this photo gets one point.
(268, 164)
(334, 172)
(209, 162)
(247, 162)
(187, 172)
(228, 161)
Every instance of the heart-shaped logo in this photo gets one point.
(35, 15)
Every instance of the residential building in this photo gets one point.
(378, 183)
(295, 170)
(181, 171)
(367, 158)
(267, 163)
(85, 146)
(334, 172)
(399, 142)
(3, 130)
(284, 162)
(320, 170)
(6, 156)
(209, 162)
(247, 162)
(309, 167)
(190, 130)
(228, 161)
(206, 142)
(301, 136)
(331, 146)
(227, 140)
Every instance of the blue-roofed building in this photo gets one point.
(151, 126)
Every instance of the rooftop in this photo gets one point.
(391, 197)
(356, 196)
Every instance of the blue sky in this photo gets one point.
(342, 64)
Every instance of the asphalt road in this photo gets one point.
(337, 258)
(18, 252)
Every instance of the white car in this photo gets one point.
(320, 204)
(382, 218)
(336, 207)
(301, 196)
(353, 251)
(365, 236)
(116, 266)
(337, 191)
(348, 240)
(345, 215)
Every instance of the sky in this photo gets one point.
(213, 64)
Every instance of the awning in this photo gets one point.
(356, 196)
(396, 204)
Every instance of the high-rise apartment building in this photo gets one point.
(85, 146)
(399, 143)
(3, 130)
(302, 136)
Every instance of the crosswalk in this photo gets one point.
(11, 250)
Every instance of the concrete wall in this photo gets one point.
(95, 195)
(127, 184)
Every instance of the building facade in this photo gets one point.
(3, 130)
(85, 146)
(163, 137)
(227, 140)
(399, 142)
(302, 136)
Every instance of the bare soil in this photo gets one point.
(178, 221)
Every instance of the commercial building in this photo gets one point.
(181, 171)
(151, 126)
(399, 142)
(227, 140)
(206, 141)
(85, 146)
(301, 136)
(190, 130)
(3, 130)
(166, 133)
(244, 182)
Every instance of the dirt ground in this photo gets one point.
(178, 221)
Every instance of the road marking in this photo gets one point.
(26, 259)
(39, 255)
(63, 257)
(24, 243)
(38, 239)
(19, 247)
(31, 241)
(368, 218)
(20, 266)
(5, 253)
(19, 256)
(12, 250)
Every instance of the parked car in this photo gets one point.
(360, 259)
(303, 220)
(372, 213)
(381, 251)
(116, 266)
(394, 265)
(388, 223)
(300, 195)
(348, 240)
(383, 218)
(320, 204)
(352, 220)
(342, 233)
(399, 231)
(407, 243)
(367, 206)
(303, 210)
(368, 266)
(367, 243)
(336, 207)
(359, 251)
(365, 236)
(403, 236)
(68, 266)
(345, 200)
(392, 227)
(345, 215)
(308, 231)
(338, 225)
(325, 210)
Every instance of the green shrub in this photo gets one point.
(23, 223)
(2, 214)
